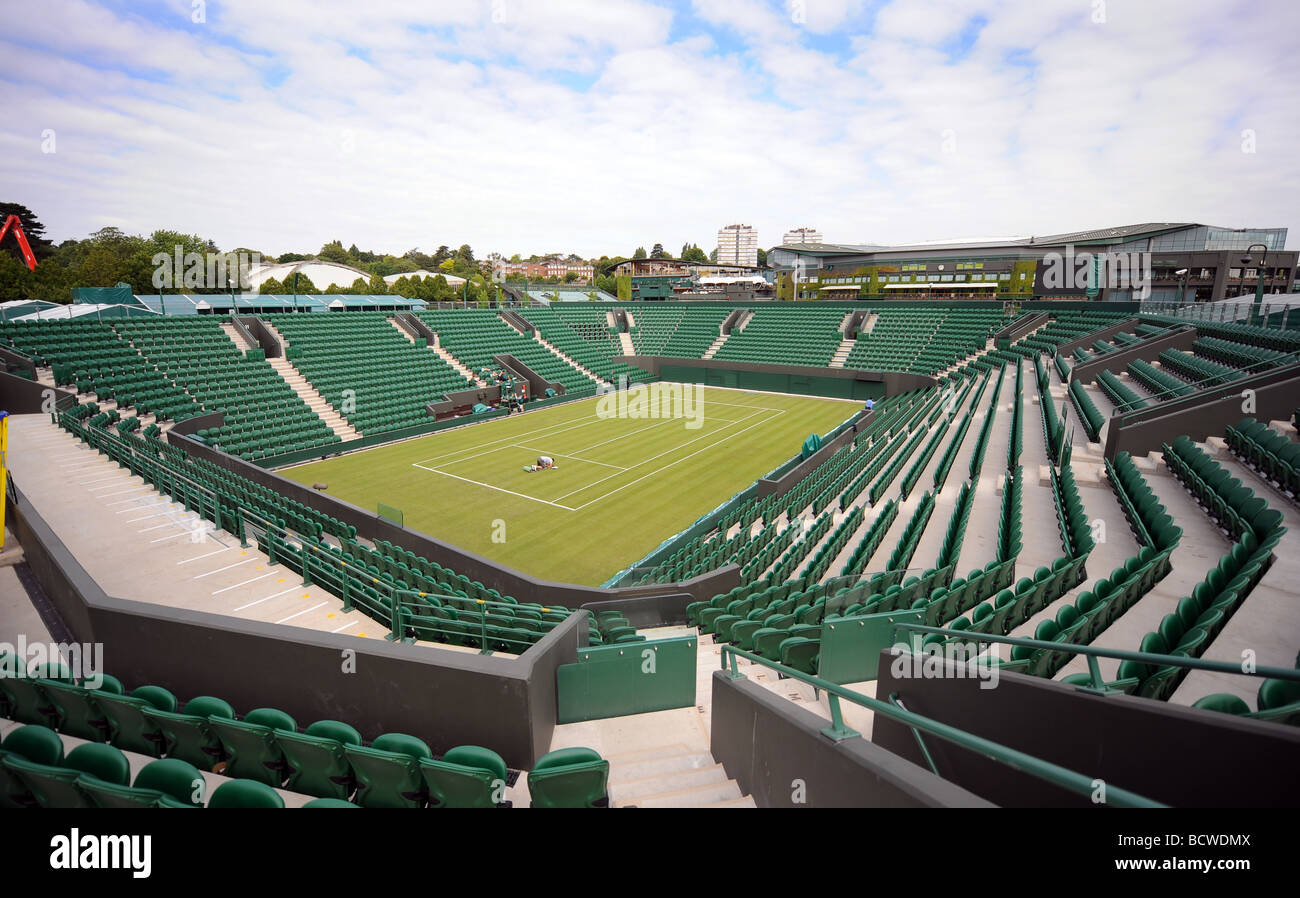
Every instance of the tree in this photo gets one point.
(640, 253)
(658, 252)
(32, 227)
(713, 255)
(624, 287)
(292, 257)
(377, 287)
(333, 252)
(358, 288)
(692, 253)
(762, 258)
(271, 287)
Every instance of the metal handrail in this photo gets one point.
(1205, 384)
(399, 597)
(1073, 781)
(1093, 653)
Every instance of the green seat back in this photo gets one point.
(569, 778)
(245, 794)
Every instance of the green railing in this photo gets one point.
(1092, 653)
(1164, 398)
(1072, 781)
(406, 612)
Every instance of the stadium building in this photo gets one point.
(865, 552)
(1187, 262)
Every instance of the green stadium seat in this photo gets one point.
(569, 778)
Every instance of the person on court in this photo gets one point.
(544, 462)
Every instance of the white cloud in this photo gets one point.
(597, 126)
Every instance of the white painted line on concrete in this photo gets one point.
(245, 583)
(205, 555)
(301, 613)
(227, 567)
(268, 598)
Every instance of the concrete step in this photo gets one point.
(573, 363)
(625, 339)
(298, 382)
(236, 337)
(401, 330)
(842, 353)
(693, 796)
(715, 346)
(648, 754)
(631, 792)
(630, 772)
(746, 801)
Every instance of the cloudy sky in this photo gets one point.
(595, 126)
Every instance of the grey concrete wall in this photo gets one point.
(1021, 326)
(1146, 351)
(1165, 752)
(20, 396)
(790, 479)
(445, 697)
(505, 580)
(264, 337)
(199, 422)
(16, 361)
(1276, 395)
(537, 385)
(767, 743)
(894, 381)
(1103, 333)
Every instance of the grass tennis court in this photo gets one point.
(621, 485)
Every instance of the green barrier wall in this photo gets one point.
(773, 382)
(632, 678)
(851, 646)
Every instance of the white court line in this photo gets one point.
(246, 582)
(206, 555)
(226, 568)
(497, 488)
(712, 433)
(589, 461)
(508, 441)
(344, 627)
(301, 613)
(678, 461)
(268, 598)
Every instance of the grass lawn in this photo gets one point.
(621, 486)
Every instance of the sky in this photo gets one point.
(597, 126)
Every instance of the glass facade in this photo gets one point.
(1207, 238)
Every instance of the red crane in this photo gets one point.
(13, 222)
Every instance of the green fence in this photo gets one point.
(628, 678)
